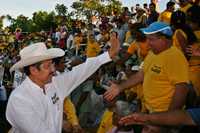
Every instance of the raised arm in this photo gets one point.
(67, 82)
(171, 118)
(115, 89)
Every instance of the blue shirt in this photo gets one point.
(195, 114)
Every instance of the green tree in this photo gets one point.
(89, 8)
(43, 20)
(21, 21)
(1, 21)
(61, 9)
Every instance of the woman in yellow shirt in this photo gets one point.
(166, 15)
(183, 34)
(93, 48)
(78, 39)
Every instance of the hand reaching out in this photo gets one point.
(115, 46)
(193, 51)
(112, 92)
(136, 118)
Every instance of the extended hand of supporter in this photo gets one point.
(136, 118)
(112, 92)
(193, 50)
(115, 46)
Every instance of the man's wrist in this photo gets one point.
(120, 88)
(111, 54)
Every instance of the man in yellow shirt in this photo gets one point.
(165, 16)
(164, 74)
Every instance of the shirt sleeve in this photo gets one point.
(177, 70)
(68, 81)
(195, 114)
(22, 117)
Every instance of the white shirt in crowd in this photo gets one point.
(58, 36)
(70, 41)
(29, 110)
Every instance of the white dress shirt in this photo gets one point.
(29, 110)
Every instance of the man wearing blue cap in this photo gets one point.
(164, 74)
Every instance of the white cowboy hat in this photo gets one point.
(35, 53)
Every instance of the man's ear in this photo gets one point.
(33, 70)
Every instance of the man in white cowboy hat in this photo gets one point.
(164, 74)
(36, 106)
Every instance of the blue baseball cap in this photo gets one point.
(158, 27)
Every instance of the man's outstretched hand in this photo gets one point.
(135, 118)
(112, 92)
(114, 46)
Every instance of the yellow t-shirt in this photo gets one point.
(132, 48)
(93, 49)
(106, 122)
(161, 73)
(175, 39)
(70, 112)
(135, 89)
(77, 41)
(165, 17)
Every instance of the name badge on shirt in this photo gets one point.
(55, 98)
(156, 69)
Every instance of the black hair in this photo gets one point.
(170, 4)
(178, 21)
(125, 8)
(193, 14)
(57, 60)
(145, 4)
(136, 27)
(152, 4)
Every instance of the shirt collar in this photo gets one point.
(33, 86)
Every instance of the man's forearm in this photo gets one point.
(171, 118)
(133, 80)
(179, 97)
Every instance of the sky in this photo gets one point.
(28, 7)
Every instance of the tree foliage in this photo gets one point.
(90, 8)
(20, 22)
(42, 20)
(61, 9)
(1, 21)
